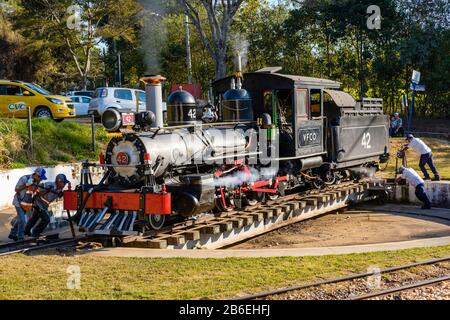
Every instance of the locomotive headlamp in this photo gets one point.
(112, 120)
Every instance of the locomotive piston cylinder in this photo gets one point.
(310, 163)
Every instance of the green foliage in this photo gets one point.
(327, 38)
(52, 142)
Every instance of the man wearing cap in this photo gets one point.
(46, 194)
(426, 156)
(25, 188)
(413, 178)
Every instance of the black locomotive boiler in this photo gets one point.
(264, 134)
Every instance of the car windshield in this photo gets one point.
(38, 89)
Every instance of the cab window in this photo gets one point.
(301, 98)
(283, 100)
(123, 94)
(316, 103)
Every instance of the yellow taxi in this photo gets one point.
(17, 96)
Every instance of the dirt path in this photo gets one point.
(5, 223)
(351, 228)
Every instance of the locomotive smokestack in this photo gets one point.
(153, 91)
(238, 64)
(238, 70)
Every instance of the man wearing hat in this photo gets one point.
(426, 156)
(413, 178)
(22, 201)
(45, 195)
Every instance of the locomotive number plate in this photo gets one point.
(123, 159)
(310, 137)
(128, 119)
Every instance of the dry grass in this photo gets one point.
(45, 277)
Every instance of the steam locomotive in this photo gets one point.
(263, 134)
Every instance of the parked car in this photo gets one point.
(122, 99)
(80, 93)
(81, 105)
(17, 96)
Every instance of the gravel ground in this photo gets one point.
(358, 287)
(439, 291)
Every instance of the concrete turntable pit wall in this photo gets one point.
(437, 191)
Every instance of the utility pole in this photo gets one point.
(120, 69)
(117, 66)
(188, 48)
(105, 77)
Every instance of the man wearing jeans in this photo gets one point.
(413, 178)
(45, 195)
(27, 181)
(426, 156)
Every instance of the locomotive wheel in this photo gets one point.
(273, 196)
(318, 183)
(225, 201)
(156, 221)
(222, 208)
(253, 198)
(330, 178)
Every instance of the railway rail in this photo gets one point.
(216, 232)
(34, 245)
(403, 288)
(365, 296)
(227, 229)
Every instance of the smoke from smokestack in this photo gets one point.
(240, 47)
(153, 34)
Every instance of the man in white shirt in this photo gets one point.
(413, 178)
(426, 156)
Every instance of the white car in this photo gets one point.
(121, 99)
(81, 105)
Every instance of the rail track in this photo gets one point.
(349, 279)
(215, 232)
(221, 231)
(34, 245)
(403, 288)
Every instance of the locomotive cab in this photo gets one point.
(295, 107)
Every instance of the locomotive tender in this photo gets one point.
(265, 134)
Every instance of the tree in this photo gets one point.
(220, 17)
(78, 26)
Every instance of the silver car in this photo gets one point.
(121, 99)
(81, 105)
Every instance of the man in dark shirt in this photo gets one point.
(46, 194)
(24, 189)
